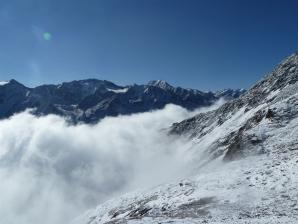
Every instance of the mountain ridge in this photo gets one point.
(90, 100)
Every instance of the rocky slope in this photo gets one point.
(90, 100)
(244, 159)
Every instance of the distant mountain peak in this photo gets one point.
(160, 83)
(12, 82)
(90, 100)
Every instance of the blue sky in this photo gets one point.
(203, 44)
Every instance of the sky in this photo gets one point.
(200, 44)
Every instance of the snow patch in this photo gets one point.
(124, 90)
(2, 83)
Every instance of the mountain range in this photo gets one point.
(245, 155)
(90, 100)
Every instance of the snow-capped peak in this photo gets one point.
(160, 83)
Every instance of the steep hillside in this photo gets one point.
(243, 158)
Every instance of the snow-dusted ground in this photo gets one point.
(258, 189)
(244, 159)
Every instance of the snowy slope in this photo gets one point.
(244, 164)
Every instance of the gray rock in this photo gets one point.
(90, 100)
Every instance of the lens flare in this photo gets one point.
(47, 36)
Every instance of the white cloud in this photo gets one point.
(51, 172)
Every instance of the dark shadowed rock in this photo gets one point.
(91, 100)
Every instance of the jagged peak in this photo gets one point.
(286, 73)
(13, 82)
(160, 83)
(288, 64)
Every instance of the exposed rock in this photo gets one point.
(91, 100)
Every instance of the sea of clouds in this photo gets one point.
(51, 172)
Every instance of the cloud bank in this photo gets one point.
(51, 172)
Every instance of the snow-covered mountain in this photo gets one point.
(90, 100)
(244, 158)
